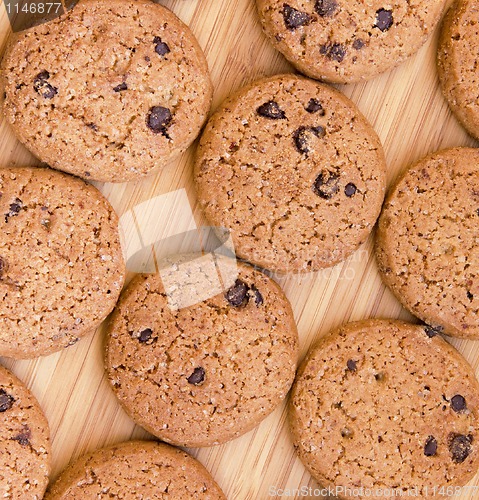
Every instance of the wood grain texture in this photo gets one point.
(411, 117)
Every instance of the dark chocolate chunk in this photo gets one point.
(458, 403)
(271, 110)
(469, 295)
(15, 208)
(459, 447)
(294, 18)
(303, 136)
(197, 377)
(352, 365)
(333, 51)
(161, 48)
(237, 295)
(120, 87)
(145, 335)
(325, 8)
(350, 189)
(158, 120)
(314, 106)
(42, 87)
(326, 185)
(258, 298)
(432, 332)
(6, 401)
(358, 44)
(430, 448)
(384, 19)
(23, 437)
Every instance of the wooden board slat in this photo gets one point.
(408, 112)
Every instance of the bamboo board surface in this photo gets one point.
(407, 110)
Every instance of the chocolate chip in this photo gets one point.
(333, 51)
(430, 448)
(6, 401)
(23, 437)
(314, 106)
(271, 110)
(459, 447)
(145, 335)
(158, 120)
(161, 48)
(458, 403)
(294, 18)
(358, 44)
(326, 184)
(258, 298)
(384, 19)
(92, 126)
(197, 376)
(42, 87)
(432, 332)
(350, 189)
(15, 208)
(237, 295)
(352, 365)
(325, 8)
(303, 137)
(469, 295)
(120, 87)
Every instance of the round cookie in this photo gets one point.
(457, 63)
(24, 441)
(426, 244)
(61, 263)
(346, 41)
(294, 171)
(206, 373)
(109, 91)
(136, 469)
(397, 411)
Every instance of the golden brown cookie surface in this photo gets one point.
(426, 243)
(110, 91)
(25, 454)
(61, 263)
(348, 40)
(383, 405)
(294, 171)
(136, 469)
(206, 373)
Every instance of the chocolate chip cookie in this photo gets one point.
(109, 91)
(206, 373)
(347, 41)
(457, 63)
(427, 241)
(294, 171)
(61, 263)
(25, 454)
(386, 406)
(136, 469)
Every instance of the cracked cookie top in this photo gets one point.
(109, 91)
(347, 41)
(427, 236)
(25, 454)
(386, 405)
(136, 469)
(206, 373)
(294, 171)
(61, 263)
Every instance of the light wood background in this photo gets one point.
(408, 112)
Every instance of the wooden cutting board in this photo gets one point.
(411, 117)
